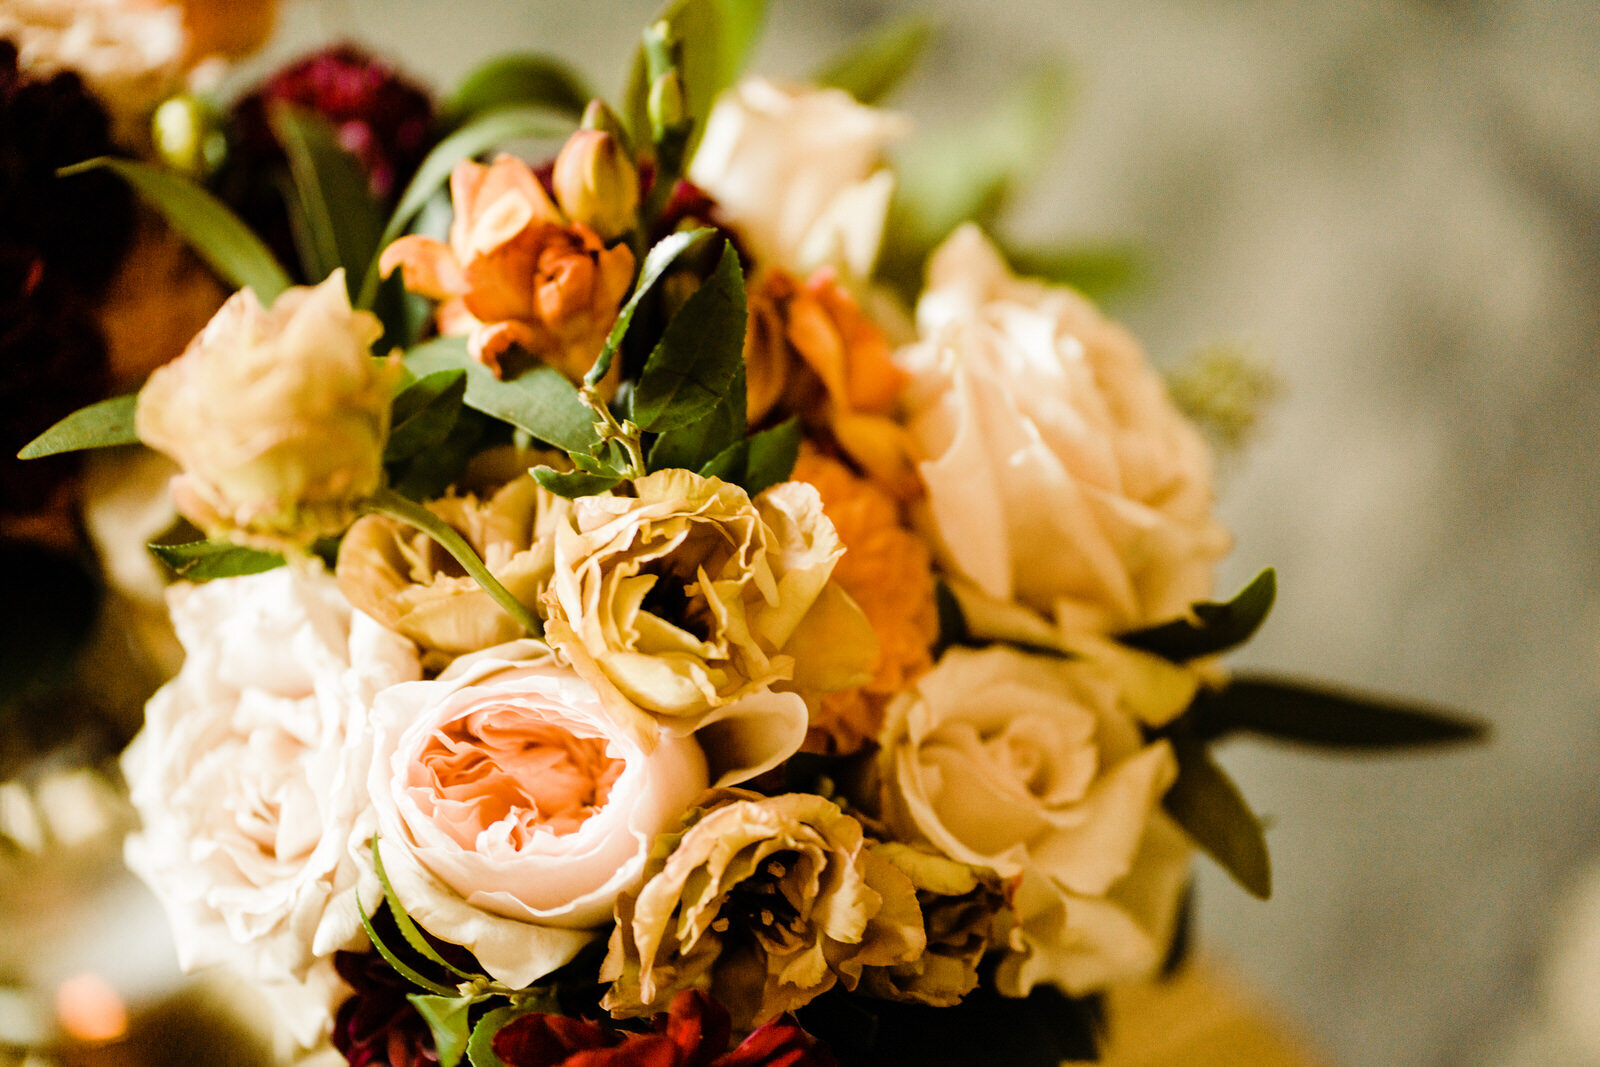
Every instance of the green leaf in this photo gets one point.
(424, 414)
(447, 1018)
(522, 79)
(476, 137)
(429, 473)
(656, 262)
(401, 967)
(876, 63)
(539, 400)
(693, 446)
(1215, 627)
(717, 37)
(100, 425)
(215, 233)
(480, 1046)
(1329, 717)
(1096, 271)
(572, 484)
(405, 924)
(204, 561)
(691, 368)
(967, 171)
(1207, 804)
(339, 218)
(773, 454)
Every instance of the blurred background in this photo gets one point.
(1395, 204)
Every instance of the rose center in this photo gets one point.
(501, 767)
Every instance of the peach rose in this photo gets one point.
(1059, 473)
(811, 352)
(1032, 768)
(512, 811)
(515, 272)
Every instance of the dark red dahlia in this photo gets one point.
(78, 226)
(694, 1033)
(378, 1026)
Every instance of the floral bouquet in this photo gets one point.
(618, 632)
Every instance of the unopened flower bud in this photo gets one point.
(597, 184)
(187, 136)
(666, 107)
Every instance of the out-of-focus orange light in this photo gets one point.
(90, 1010)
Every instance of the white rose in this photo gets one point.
(1059, 472)
(512, 811)
(250, 771)
(1031, 768)
(799, 173)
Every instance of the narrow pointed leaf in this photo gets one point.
(539, 400)
(693, 366)
(573, 484)
(522, 79)
(425, 413)
(403, 921)
(656, 262)
(340, 220)
(214, 232)
(1215, 627)
(447, 1019)
(100, 425)
(401, 967)
(473, 139)
(204, 561)
(873, 66)
(1207, 804)
(1330, 717)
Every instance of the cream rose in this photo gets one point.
(1031, 768)
(278, 418)
(250, 772)
(686, 598)
(1059, 473)
(511, 810)
(799, 173)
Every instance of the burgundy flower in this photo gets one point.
(78, 226)
(377, 1026)
(693, 1033)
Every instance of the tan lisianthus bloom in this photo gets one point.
(515, 271)
(811, 352)
(959, 903)
(278, 418)
(687, 596)
(401, 577)
(887, 570)
(764, 903)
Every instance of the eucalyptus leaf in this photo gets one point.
(700, 443)
(522, 79)
(204, 561)
(1207, 804)
(656, 263)
(539, 400)
(447, 1020)
(100, 425)
(1329, 717)
(716, 38)
(874, 65)
(215, 233)
(339, 218)
(474, 138)
(1215, 627)
(573, 484)
(424, 413)
(692, 367)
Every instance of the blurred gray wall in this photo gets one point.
(1398, 204)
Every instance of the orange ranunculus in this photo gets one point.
(811, 352)
(515, 272)
(887, 571)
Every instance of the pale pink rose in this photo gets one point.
(1032, 768)
(1059, 473)
(799, 173)
(512, 811)
(250, 772)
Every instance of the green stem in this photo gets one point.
(390, 503)
(609, 429)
